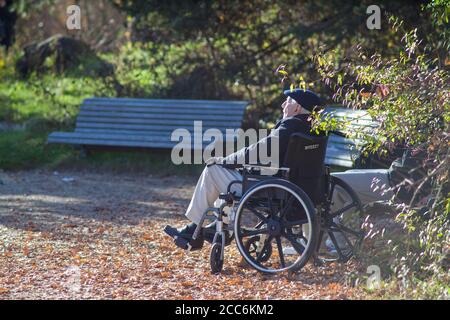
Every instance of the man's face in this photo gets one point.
(290, 108)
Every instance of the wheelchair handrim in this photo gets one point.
(310, 225)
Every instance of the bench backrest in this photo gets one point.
(342, 151)
(156, 117)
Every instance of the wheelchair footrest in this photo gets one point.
(185, 244)
(182, 243)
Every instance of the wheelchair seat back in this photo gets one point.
(305, 159)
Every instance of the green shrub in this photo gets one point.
(408, 96)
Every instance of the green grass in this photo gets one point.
(26, 150)
(51, 98)
(156, 162)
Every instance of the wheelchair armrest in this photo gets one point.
(261, 167)
(227, 165)
(231, 183)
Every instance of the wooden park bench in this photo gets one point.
(148, 123)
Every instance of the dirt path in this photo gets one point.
(98, 236)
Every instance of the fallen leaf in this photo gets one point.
(4, 290)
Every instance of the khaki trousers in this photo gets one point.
(213, 181)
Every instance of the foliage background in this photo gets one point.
(198, 49)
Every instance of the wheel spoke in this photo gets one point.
(271, 207)
(295, 223)
(297, 246)
(332, 190)
(336, 245)
(288, 206)
(259, 225)
(258, 214)
(253, 232)
(280, 252)
(340, 227)
(266, 244)
(342, 210)
(319, 242)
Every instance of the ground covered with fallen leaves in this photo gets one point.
(85, 235)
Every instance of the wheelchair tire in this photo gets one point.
(215, 258)
(268, 218)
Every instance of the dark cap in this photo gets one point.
(307, 99)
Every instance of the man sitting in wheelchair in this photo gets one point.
(217, 175)
(284, 219)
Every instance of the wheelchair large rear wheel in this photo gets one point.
(342, 220)
(275, 226)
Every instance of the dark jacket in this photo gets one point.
(282, 131)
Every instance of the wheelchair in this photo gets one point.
(283, 220)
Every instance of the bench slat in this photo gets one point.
(167, 122)
(137, 132)
(188, 109)
(339, 156)
(338, 162)
(114, 136)
(164, 102)
(119, 143)
(161, 115)
(355, 117)
(112, 126)
(131, 132)
(110, 136)
(359, 142)
(124, 132)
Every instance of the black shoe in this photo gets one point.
(187, 231)
(183, 237)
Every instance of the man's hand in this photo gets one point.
(214, 160)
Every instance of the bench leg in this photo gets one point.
(85, 151)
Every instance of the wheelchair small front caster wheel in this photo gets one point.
(251, 246)
(215, 258)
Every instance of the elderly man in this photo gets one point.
(216, 178)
